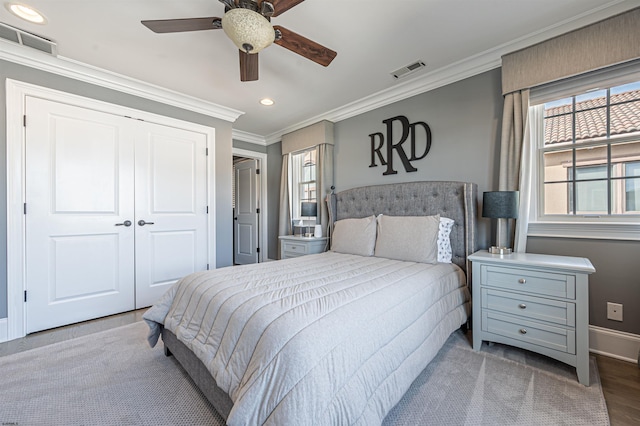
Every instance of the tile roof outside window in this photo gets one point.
(591, 120)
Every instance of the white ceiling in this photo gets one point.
(372, 37)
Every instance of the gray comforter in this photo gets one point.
(321, 339)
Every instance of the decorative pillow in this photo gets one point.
(409, 238)
(444, 242)
(354, 236)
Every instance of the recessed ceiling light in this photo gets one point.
(267, 102)
(27, 13)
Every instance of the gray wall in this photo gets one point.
(249, 146)
(274, 170)
(465, 120)
(223, 157)
(617, 276)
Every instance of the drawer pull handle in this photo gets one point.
(523, 331)
(522, 306)
(293, 247)
(522, 281)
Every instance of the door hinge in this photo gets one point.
(207, 209)
(207, 266)
(206, 151)
(258, 250)
(24, 208)
(258, 211)
(25, 295)
(257, 171)
(24, 120)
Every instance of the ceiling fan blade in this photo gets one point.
(182, 25)
(304, 47)
(281, 6)
(248, 66)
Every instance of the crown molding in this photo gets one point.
(89, 74)
(248, 137)
(468, 67)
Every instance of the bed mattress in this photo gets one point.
(321, 339)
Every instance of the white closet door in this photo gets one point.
(79, 186)
(171, 208)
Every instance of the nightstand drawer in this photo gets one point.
(551, 337)
(531, 281)
(537, 308)
(294, 249)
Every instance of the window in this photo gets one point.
(303, 177)
(590, 154)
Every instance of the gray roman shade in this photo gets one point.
(602, 44)
(308, 137)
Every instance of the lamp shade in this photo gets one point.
(500, 204)
(249, 31)
(309, 209)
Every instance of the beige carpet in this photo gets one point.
(114, 378)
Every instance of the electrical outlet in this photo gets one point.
(614, 311)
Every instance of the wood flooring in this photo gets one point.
(620, 379)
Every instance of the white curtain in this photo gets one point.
(324, 182)
(515, 144)
(284, 224)
(528, 176)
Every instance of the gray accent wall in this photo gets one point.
(274, 158)
(465, 119)
(223, 156)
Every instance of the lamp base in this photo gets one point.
(499, 250)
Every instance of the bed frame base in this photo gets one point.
(198, 373)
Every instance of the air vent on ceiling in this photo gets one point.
(15, 35)
(408, 69)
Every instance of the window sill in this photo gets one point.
(590, 230)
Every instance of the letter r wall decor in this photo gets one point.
(384, 154)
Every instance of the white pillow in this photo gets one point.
(408, 238)
(354, 236)
(444, 242)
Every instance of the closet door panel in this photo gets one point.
(171, 202)
(79, 184)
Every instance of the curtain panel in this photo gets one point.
(284, 222)
(324, 182)
(513, 142)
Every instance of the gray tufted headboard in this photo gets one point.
(455, 200)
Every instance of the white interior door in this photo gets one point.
(116, 212)
(171, 208)
(246, 214)
(79, 185)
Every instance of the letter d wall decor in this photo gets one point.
(385, 154)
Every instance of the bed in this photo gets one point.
(330, 338)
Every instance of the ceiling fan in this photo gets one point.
(247, 24)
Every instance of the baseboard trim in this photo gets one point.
(4, 330)
(614, 343)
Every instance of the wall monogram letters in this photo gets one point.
(407, 129)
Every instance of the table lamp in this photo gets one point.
(500, 205)
(309, 210)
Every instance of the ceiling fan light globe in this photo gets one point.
(248, 28)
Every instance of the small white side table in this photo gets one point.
(295, 246)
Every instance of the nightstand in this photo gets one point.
(535, 302)
(294, 246)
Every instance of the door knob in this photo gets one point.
(125, 223)
(141, 222)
